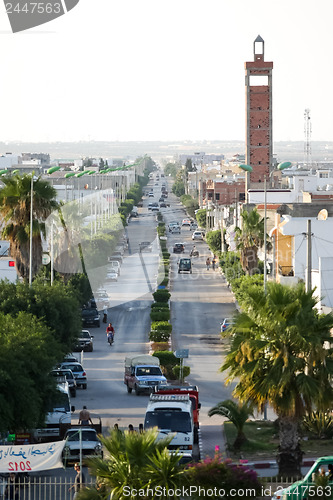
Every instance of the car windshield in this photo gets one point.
(173, 420)
(60, 404)
(185, 262)
(86, 436)
(89, 312)
(149, 370)
(85, 335)
(75, 368)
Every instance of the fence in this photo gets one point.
(40, 488)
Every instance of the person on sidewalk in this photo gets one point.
(214, 263)
(78, 481)
(208, 263)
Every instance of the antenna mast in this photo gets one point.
(307, 137)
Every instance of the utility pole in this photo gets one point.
(265, 234)
(308, 257)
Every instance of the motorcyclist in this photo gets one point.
(110, 333)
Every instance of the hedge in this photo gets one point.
(159, 305)
(167, 358)
(176, 371)
(161, 296)
(160, 315)
(156, 336)
(161, 326)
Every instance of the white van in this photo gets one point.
(172, 414)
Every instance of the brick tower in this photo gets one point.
(259, 143)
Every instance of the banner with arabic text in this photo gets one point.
(31, 457)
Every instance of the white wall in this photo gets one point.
(273, 196)
(322, 241)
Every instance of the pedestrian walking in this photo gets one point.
(214, 263)
(208, 263)
(78, 481)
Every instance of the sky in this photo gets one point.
(145, 70)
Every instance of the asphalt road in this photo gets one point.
(199, 302)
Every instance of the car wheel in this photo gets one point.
(137, 392)
(190, 272)
(129, 389)
(91, 349)
(98, 324)
(178, 272)
(73, 393)
(84, 386)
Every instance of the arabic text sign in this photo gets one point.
(31, 457)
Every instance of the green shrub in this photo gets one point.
(165, 281)
(166, 254)
(159, 336)
(163, 315)
(159, 305)
(167, 358)
(161, 296)
(166, 270)
(161, 326)
(176, 371)
(215, 473)
(319, 424)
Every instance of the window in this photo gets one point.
(217, 196)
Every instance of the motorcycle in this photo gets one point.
(194, 253)
(110, 338)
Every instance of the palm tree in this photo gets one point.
(15, 198)
(237, 414)
(135, 461)
(249, 239)
(278, 355)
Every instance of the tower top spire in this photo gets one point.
(258, 49)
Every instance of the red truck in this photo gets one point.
(193, 392)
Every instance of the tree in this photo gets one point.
(57, 307)
(134, 461)
(249, 239)
(15, 201)
(171, 169)
(201, 217)
(213, 239)
(178, 188)
(28, 352)
(237, 414)
(278, 355)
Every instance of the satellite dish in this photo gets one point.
(323, 214)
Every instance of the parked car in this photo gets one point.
(90, 316)
(111, 275)
(185, 266)
(116, 256)
(66, 374)
(226, 323)
(85, 342)
(178, 248)
(102, 298)
(197, 235)
(78, 372)
(114, 264)
(81, 437)
(145, 246)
